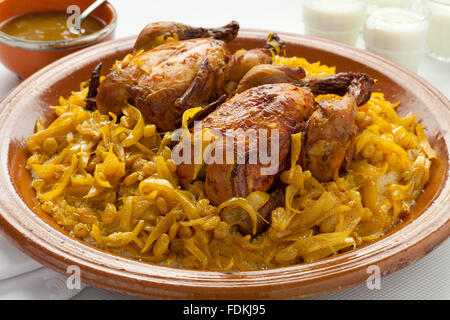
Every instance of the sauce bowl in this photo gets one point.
(25, 57)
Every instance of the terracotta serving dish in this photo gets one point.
(36, 234)
(25, 57)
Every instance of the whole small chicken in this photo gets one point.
(287, 108)
(175, 67)
(165, 81)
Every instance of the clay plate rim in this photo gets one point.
(56, 250)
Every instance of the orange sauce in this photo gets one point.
(48, 26)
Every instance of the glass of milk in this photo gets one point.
(388, 3)
(372, 5)
(438, 38)
(398, 34)
(338, 20)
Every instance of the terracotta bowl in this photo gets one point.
(24, 57)
(37, 234)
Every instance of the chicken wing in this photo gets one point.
(157, 33)
(331, 130)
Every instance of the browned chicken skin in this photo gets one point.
(182, 74)
(241, 63)
(165, 81)
(282, 106)
(275, 106)
(192, 69)
(269, 73)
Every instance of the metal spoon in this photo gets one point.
(91, 8)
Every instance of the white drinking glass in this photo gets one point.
(438, 39)
(338, 20)
(372, 5)
(398, 34)
(389, 3)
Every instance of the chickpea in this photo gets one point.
(50, 146)
(368, 151)
(222, 230)
(81, 230)
(149, 168)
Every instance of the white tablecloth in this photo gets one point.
(23, 278)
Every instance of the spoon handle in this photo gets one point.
(91, 8)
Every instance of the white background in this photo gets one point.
(429, 278)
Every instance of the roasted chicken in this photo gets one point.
(164, 82)
(289, 108)
(181, 67)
